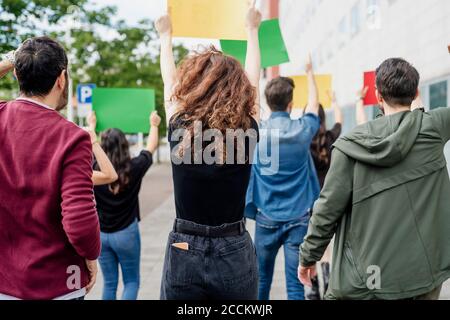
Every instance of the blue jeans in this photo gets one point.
(269, 238)
(121, 248)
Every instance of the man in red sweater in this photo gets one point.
(49, 229)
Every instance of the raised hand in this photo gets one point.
(254, 17)
(313, 94)
(164, 25)
(7, 63)
(332, 95)
(338, 116)
(155, 119)
(363, 93)
(153, 137)
(253, 59)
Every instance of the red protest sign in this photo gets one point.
(369, 82)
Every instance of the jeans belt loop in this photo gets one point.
(175, 226)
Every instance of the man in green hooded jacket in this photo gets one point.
(387, 201)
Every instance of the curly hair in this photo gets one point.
(214, 89)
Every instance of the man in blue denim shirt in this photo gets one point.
(280, 199)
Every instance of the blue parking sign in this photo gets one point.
(84, 93)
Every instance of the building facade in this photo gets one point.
(348, 37)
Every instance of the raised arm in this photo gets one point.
(153, 137)
(107, 173)
(361, 116)
(313, 99)
(338, 116)
(168, 68)
(253, 59)
(6, 64)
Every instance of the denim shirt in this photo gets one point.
(286, 188)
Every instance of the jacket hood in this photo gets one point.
(384, 142)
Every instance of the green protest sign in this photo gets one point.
(125, 109)
(273, 48)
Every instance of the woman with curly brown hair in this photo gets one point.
(212, 108)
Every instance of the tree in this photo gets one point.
(19, 18)
(129, 59)
(22, 19)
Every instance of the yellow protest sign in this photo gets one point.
(324, 85)
(209, 19)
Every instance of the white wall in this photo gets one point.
(417, 30)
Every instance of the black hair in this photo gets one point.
(39, 63)
(319, 147)
(280, 93)
(397, 82)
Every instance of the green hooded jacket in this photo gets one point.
(387, 201)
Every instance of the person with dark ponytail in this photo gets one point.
(118, 209)
(323, 141)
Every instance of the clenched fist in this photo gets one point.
(254, 17)
(164, 25)
(155, 119)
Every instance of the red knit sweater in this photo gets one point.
(48, 219)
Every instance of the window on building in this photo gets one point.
(331, 46)
(373, 14)
(438, 95)
(343, 32)
(355, 21)
(372, 3)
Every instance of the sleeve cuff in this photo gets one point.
(305, 260)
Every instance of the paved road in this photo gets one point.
(158, 213)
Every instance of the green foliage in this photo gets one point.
(121, 62)
(19, 18)
(129, 58)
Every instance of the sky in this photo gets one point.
(134, 10)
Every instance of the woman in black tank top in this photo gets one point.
(213, 109)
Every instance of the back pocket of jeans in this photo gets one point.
(180, 267)
(237, 265)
